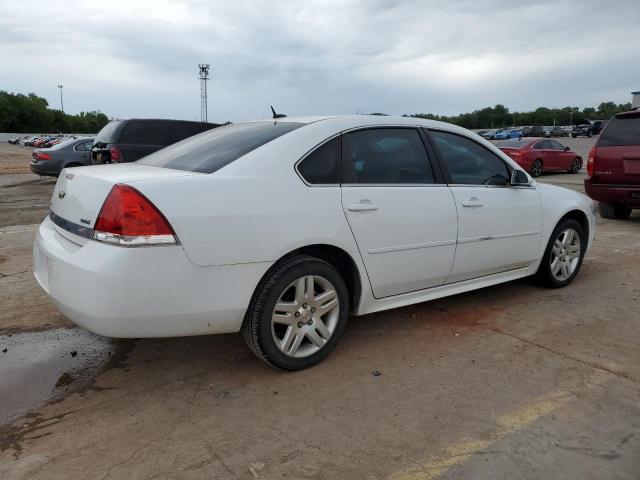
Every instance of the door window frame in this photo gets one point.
(433, 163)
(443, 166)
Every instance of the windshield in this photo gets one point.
(514, 143)
(212, 150)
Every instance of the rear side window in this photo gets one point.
(108, 132)
(469, 163)
(143, 132)
(542, 145)
(623, 130)
(385, 156)
(322, 166)
(212, 150)
(177, 131)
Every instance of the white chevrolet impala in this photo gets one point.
(281, 229)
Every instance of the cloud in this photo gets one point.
(133, 58)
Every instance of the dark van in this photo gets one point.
(129, 140)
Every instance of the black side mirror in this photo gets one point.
(519, 178)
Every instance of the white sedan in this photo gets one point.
(283, 228)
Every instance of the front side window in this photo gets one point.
(322, 166)
(542, 145)
(385, 156)
(469, 163)
(556, 145)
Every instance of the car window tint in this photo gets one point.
(84, 146)
(177, 131)
(556, 145)
(213, 149)
(108, 132)
(620, 131)
(143, 132)
(469, 163)
(542, 145)
(322, 166)
(385, 156)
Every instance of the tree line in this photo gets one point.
(31, 114)
(500, 116)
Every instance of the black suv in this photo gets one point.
(129, 140)
(535, 131)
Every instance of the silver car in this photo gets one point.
(74, 152)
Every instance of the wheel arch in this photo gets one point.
(580, 217)
(339, 258)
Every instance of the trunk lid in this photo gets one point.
(80, 192)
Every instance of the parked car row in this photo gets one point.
(583, 128)
(42, 141)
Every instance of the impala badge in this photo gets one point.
(61, 194)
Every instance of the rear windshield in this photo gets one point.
(514, 143)
(624, 130)
(212, 150)
(107, 134)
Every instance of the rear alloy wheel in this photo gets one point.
(613, 210)
(563, 256)
(298, 314)
(576, 165)
(536, 168)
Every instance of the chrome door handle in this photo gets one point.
(472, 202)
(363, 206)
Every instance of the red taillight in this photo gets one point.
(591, 162)
(41, 156)
(116, 155)
(128, 218)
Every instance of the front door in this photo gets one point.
(499, 226)
(402, 215)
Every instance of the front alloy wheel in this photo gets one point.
(563, 256)
(297, 314)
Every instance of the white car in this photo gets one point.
(283, 228)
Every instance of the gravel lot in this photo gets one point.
(512, 381)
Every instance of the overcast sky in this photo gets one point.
(132, 58)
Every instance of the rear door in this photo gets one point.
(499, 226)
(402, 215)
(541, 151)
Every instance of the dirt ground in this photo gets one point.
(513, 381)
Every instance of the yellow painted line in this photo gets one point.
(460, 451)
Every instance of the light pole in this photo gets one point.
(61, 104)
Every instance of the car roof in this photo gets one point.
(346, 122)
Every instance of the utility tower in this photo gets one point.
(203, 76)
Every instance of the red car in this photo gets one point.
(537, 155)
(613, 167)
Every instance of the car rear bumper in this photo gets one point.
(44, 168)
(628, 195)
(141, 292)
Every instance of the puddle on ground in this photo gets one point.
(40, 367)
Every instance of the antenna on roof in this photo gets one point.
(277, 115)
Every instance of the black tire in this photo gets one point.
(576, 165)
(544, 276)
(256, 327)
(536, 168)
(613, 210)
